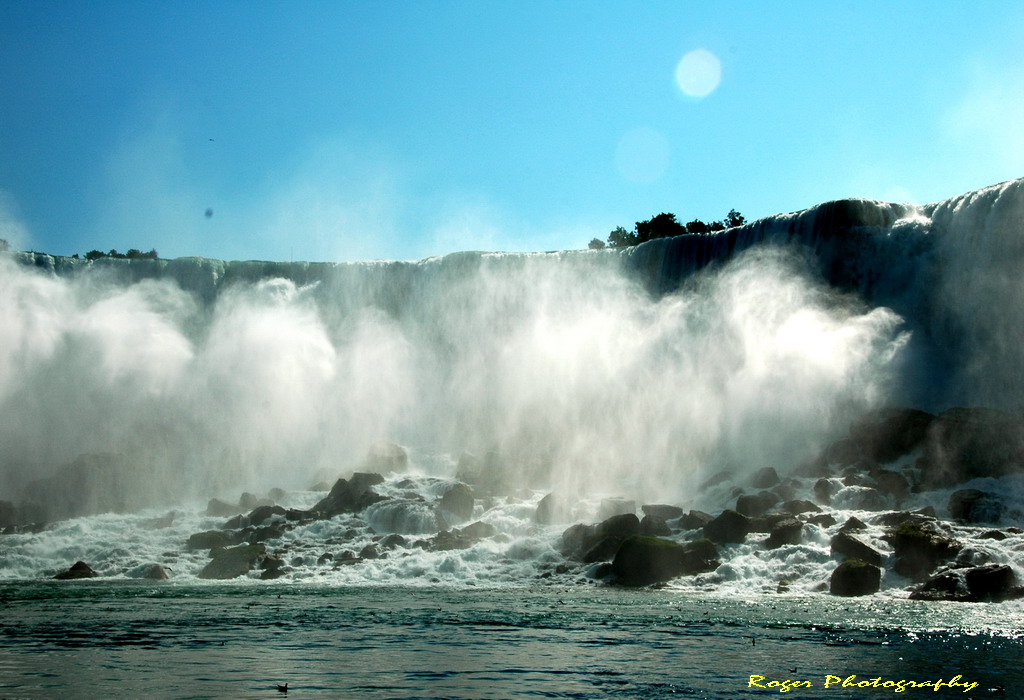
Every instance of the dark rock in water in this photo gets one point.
(550, 510)
(695, 519)
(233, 562)
(221, 509)
(852, 524)
(662, 512)
(822, 520)
(855, 578)
(891, 483)
(601, 571)
(860, 498)
(765, 523)
(77, 570)
(757, 504)
(577, 539)
(788, 489)
(298, 515)
(641, 561)
(699, 556)
(990, 583)
(262, 513)
(993, 535)
(387, 457)
(765, 478)
(370, 551)
(603, 550)
(463, 538)
(786, 531)
(457, 501)
(974, 506)
(730, 526)
(623, 526)
(654, 526)
(897, 518)
(351, 496)
(919, 548)
(213, 538)
(796, 507)
(239, 522)
(824, 490)
(946, 585)
(392, 541)
(267, 532)
(325, 558)
(248, 501)
(853, 547)
(154, 572)
(611, 507)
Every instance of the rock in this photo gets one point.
(622, 526)
(577, 539)
(616, 506)
(853, 547)
(695, 519)
(989, 583)
(974, 506)
(370, 551)
(765, 478)
(233, 561)
(765, 523)
(263, 513)
(267, 532)
(662, 512)
(786, 531)
(462, 538)
(550, 510)
(968, 443)
(221, 509)
(603, 550)
(730, 526)
(853, 523)
(77, 570)
(919, 548)
(947, 585)
(787, 490)
(387, 457)
(993, 535)
(642, 560)
(393, 541)
(822, 520)
(154, 572)
(654, 526)
(239, 522)
(897, 518)
(457, 503)
(699, 556)
(891, 483)
(824, 490)
(716, 479)
(248, 501)
(479, 530)
(796, 507)
(860, 498)
(350, 496)
(757, 504)
(213, 538)
(855, 578)
(883, 437)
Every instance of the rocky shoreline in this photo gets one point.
(882, 463)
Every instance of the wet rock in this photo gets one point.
(853, 547)
(624, 525)
(643, 560)
(822, 520)
(154, 572)
(854, 524)
(855, 578)
(213, 538)
(796, 507)
(77, 570)
(248, 501)
(883, 437)
(975, 506)
(765, 523)
(695, 519)
(603, 550)
(370, 551)
(351, 495)
(550, 510)
(756, 504)
(233, 561)
(919, 548)
(260, 514)
(891, 484)
(221, 509)
(897, 518)
(786, 531)
(616, 506)
(457, 503)
(730, 526)
(860, 498)
(577, 539)
(824, 490)
(273, 531)
(990, 583)
(788, 489)
(662, 512)
(765, 478)
(993, 535)
(462, 538)
(325, 558)
(392, 541)
(654, 526)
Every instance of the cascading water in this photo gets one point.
(634, 373)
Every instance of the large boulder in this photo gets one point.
(457, 503)
(260, 514)
(975, 506)
(990, 583)
(577, 539)
(728, 527)
(643, 560)
(765, 478)
(654, 526)
(351, 495)
(550, 510)
(783, 532)
(77, 570)
(233, 561)
(623, 526)
(851, 546)
(753, 505)
(463, 538)
(695, 520)
(662, 512)
(855, 577)
(920, 547)
(882, 437)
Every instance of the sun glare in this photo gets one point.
(698, 73)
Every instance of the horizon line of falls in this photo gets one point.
(636, 372)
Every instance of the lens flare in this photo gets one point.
(698, 73)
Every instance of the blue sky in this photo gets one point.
(364, 130)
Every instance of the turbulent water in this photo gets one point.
(133, 391)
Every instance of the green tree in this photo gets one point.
(621, 237)
(734, 218)
(596, 244)
(661, 226)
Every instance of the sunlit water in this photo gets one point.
(241, 640)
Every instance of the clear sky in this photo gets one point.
(359, 130)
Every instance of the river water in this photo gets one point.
(121, 639)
